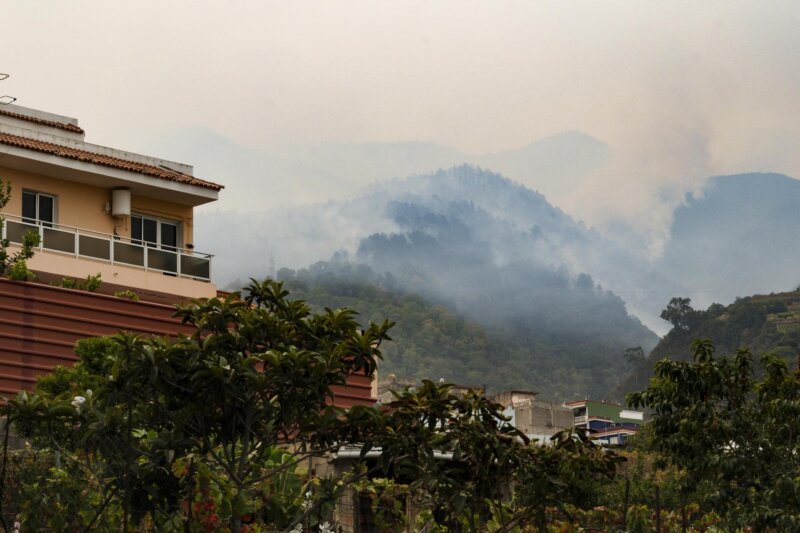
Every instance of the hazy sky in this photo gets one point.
(679, 90)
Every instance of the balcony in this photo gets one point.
(110, 249)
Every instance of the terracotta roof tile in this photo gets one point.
(51, 123)
(104, 160)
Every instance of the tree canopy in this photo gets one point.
(219, 431)
(734, 432)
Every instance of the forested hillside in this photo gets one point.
(573, 349)
(429, 340)
(763, 323)
(470, 231)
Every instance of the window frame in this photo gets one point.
(159, 221)
(37, 220)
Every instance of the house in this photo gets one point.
(615, 436)
(101, 210)
(385, 387)
(608, 423)
(537, 419)
(98, 210)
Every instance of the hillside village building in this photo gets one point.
(98, 210)
(606, 423)
(537, 419)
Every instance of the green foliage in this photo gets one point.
(91, 283)
(465, 460)
(505, 341)
(639, 520)
(16, 265)
(257, 372)
(387, 500)
(46, 491)
(65, 283)
(127, 294)
(19, 271)
(210, 431)
(5, 196)
(635, 356)
(680, 314)
(764, 324)
(723, 426)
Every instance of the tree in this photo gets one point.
(721, 426)
(213, 428)
(680, 314)
(469, 465)
(15, 265)
(635, 356)
(256, 375)
(637, 360)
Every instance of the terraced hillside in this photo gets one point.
(761, 323)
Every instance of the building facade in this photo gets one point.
(98, 210)
(101, 210)
(607, 423)
(538, 420)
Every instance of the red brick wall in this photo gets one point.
(40, 324)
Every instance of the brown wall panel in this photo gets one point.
(40, 324)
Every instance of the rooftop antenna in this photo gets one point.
(5, 99)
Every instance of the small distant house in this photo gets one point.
(608, 423)
(393, 383)
(537, 419)
(399, 384)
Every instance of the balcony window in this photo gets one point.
(154, 232)
(38, 208)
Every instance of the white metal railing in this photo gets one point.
(113, 249)
(580, 419)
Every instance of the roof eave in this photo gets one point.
(102, 176)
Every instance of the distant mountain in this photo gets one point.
(516, 225)
(490, 251)
(474, 240)
(554, 166)
(267, 178)
(504, 221)
(738, 238)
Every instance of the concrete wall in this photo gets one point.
(542, 418)
(513, 397)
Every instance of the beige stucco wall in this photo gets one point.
(77, 205)
(136, 278)
(82, 206)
